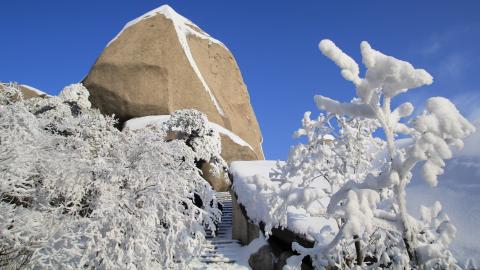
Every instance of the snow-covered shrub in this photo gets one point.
(10, 93)
(192, 127)
(77, 193)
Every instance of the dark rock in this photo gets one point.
(263, 259)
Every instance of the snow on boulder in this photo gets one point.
(162, 62)
(249, 175)
(29, 91)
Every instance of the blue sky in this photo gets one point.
(49, 44)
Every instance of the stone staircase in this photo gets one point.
(221, 250)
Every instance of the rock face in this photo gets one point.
(242, 229)
(161, 62)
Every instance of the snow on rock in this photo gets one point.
(33, 89)
(142, 122)
(248, 176)
(242, 169)
(184, 27)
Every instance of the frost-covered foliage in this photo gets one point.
(77, 193)
(433, 134)
(10, 93)
(333, 155)
(192, 127)
(365, 178)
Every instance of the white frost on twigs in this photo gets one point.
(77, 93)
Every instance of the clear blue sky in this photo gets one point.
(49, 44)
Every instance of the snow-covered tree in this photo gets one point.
(75, 192)
(346, 174)
(431, 135)
(333, 154)
(337, 149)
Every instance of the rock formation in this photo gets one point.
(161, 62)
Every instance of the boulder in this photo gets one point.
(219, 183)
(162, 62)
(263, 259)
(243, 229)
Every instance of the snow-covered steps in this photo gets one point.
(221, 251)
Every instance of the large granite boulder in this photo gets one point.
(162, 62)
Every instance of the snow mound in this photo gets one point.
(158, 120)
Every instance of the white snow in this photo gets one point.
(248, 175)
(184, 27)
(34, 90)
(142, 122)
(234, 137)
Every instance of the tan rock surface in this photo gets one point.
(30, 92)
(148, 70)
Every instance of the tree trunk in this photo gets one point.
(358, 249)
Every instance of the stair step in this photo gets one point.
(220, 247)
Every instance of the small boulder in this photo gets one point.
(263, 259)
